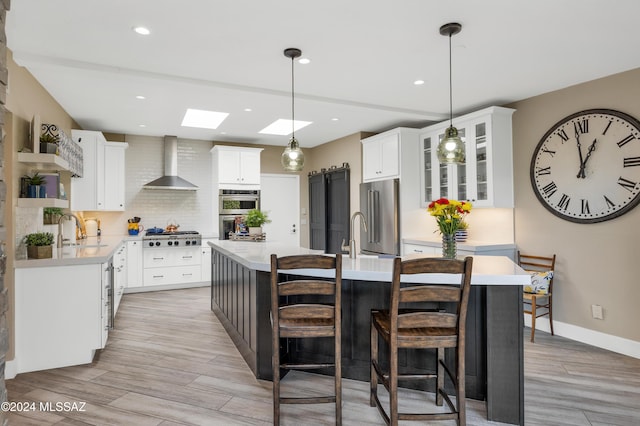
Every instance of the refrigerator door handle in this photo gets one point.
(374, 213)
(370, 216)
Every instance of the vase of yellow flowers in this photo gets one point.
(449, 215)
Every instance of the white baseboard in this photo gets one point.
(590, 337)
(10, 369)
(166, 287)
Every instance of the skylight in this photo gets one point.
(203, 119)
(282, 127)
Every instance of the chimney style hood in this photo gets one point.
(171, 180)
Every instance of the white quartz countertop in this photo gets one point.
(487, 270)
(87, 251)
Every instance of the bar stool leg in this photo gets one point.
(440, 376)
(275, 364)
(373, 381)
(533, 318)
(393, 384)
(338, 379)
(550, 314)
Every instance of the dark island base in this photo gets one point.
(240, 298)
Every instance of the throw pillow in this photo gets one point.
(539, 282)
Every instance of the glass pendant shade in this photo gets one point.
(451, 147)
(292, 158)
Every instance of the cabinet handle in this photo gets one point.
(158, 276)
(186, 275)
(417, 251)
(158, 258)
(187, 257)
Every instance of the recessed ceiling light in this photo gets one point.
(335, 119)
(248, 109)
(140, 97)
(418, 82)
(203, 119)
(283, 126)
(142, 30)
(304, 61)
(142, 125)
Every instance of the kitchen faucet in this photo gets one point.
(68, 215)
(351, 248)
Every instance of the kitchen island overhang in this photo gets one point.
(495, 361)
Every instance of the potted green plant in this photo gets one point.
(254, 220)
(39, 245)
(51, 215)
(35, 185)
(49, 144)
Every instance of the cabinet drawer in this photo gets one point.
(172, 275)
(155, 258)
(420, 249)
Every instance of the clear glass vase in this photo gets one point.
(449, 246)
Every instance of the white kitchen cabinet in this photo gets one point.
(102, 185)
(119, 274)
(486, 177)
(172, 266)
(134, 264)
(236, 167)
(114, 175)
(59, 315)
(205, 267)
(381, 157)
(467, 248)
(106, 301)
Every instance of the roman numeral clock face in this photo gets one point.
(586, 168)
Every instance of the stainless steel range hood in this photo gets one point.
(171, 180)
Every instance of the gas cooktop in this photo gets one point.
(163, 238)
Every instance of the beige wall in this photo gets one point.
(25, 98)
(595, 261)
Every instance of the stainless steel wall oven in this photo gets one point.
(232, 203)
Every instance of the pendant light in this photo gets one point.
(451, 147)
(292, 158)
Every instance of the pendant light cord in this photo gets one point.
(293, 110)
(450, 87)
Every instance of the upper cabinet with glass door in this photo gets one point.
(486, 177)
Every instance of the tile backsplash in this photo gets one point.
(192, 210)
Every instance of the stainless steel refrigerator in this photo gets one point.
(380, 206)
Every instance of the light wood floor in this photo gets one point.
(170, 362)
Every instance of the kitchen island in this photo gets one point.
(240, 297)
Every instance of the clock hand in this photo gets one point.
(581, 171)
(592, 148)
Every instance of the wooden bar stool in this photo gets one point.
(422, 328)
(292, 318)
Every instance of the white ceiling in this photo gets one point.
(365, 54)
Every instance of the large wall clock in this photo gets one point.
(586, 168)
